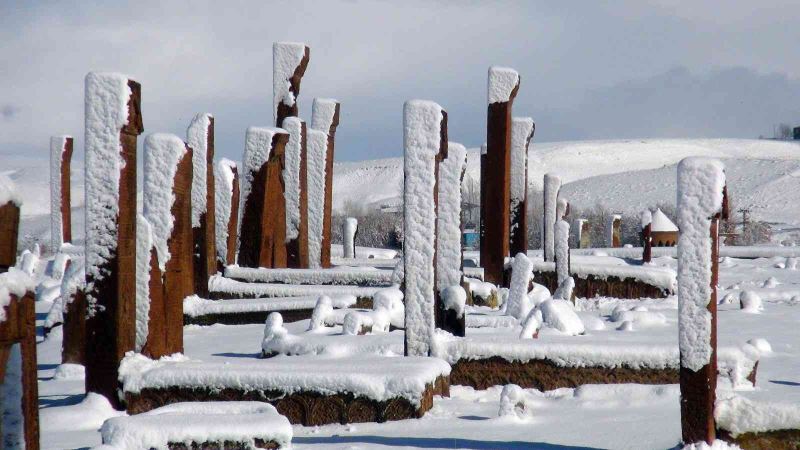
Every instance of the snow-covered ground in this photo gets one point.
(594, 416)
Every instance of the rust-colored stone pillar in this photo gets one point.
(482, 216)
(73, 345)
(233, 222)
(9, 229)
(168, 165)
(439, 311)
(200, 137)
(178, 279)
(19, 328)
(701, 204)
(289, 63)
(522, 129)
(295, 179)
(111, 212)
(503, 86)
(325, 117)
(647, 239)
(262, 235)
(60, 200)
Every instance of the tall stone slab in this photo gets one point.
(60, 199)
(522, 129)
(113, 124)
(200, 137)
(262, 232)
(325, 117)
(502, 88)
(701, 205)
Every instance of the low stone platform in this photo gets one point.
(482, 364)
(199, 311)
(307, 390)
(221, 288)
(624, 281)
(353, 276)
(758, 424)
(208, 425)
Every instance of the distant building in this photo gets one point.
(663, 232)
(796, 133)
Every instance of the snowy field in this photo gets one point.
(593, 416)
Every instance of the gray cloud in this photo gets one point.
(589, 70)
(8, 111)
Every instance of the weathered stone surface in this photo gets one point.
(9, 229)
(328, 208)
(111, 329)
(204, 236)
(301, 408)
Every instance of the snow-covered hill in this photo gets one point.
(625, 175)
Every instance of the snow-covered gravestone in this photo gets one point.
(448, 235)
(349, 231)
(647, 240)
(701, 203)
(613, 230)
(200, 138)
(424, 137)
(262, 231)
(19, 410)
(167, 207)
(317, 146)
(289, 62)
(113, 122)
(502, 85)
(519, 304)
(482, 226)
(60, 214)
(295, 179)
(562, 250)
(522, 129)
(226, 205)
(325, 117)
(10, 202)
(552, 186)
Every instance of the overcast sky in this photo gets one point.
(590, 70)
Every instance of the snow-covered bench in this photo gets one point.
(225, 288)
(201, 311)
(190, 425)
(354, 276)
(307, 390)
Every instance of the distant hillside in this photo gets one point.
(624, 175)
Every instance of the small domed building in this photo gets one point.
(663, 232)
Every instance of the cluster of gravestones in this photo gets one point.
(100, 323)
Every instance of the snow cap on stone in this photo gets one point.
(700, 185)
(502, 81)
(162, 153)
(8, 191)
(57, 146)
(257, 148)
(223, 196)
(106, 112)
(286, 56)
(422, 121)
(291, 175)
(317, 143)
(521, 133)
(197, 138)
(448, 238)
(322, 112)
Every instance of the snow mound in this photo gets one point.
(560, 314)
